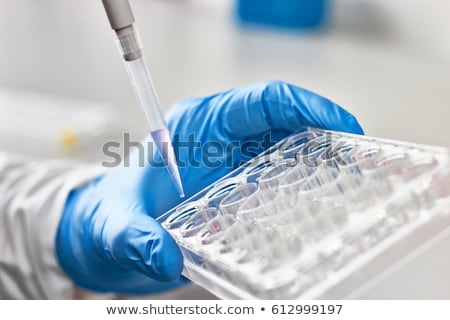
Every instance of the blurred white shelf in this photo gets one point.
(46, 126)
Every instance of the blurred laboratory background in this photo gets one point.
(64, 90)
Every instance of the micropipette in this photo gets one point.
(121, 19)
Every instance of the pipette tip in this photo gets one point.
(176, 179)
(161, 138)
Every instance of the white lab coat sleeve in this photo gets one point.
(32, 198)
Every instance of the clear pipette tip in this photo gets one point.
(131, 50)
(161, 138)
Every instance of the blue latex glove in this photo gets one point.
(108, 239)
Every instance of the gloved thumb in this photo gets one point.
(139, 243)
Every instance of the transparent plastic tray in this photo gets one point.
(316, 216)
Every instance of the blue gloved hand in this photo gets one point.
(108, 239)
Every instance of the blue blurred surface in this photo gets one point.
(284, 13)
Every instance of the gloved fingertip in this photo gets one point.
(168, 260)
(342, 120)
(183, 281)
(353, 125)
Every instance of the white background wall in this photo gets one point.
(386, 61)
